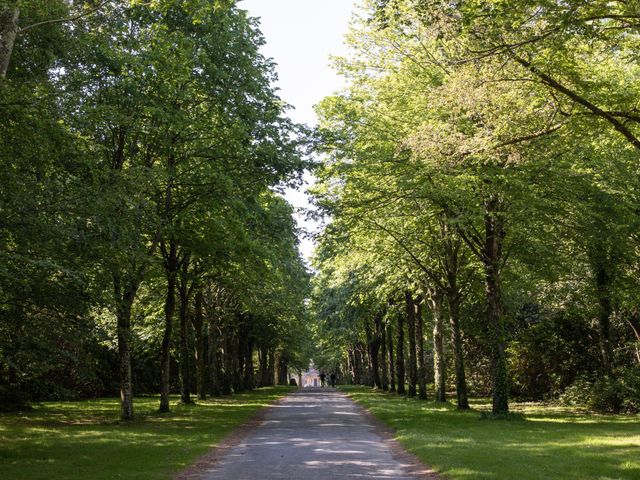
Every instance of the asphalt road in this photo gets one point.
(312, 434)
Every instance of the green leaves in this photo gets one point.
(139, 125)
(502, 130)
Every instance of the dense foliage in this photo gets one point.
(481, 184)
(143, 232)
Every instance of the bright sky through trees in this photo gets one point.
(301, 36)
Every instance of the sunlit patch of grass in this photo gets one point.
(69, 440)
(539, 442)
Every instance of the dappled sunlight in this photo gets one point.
(335, 441)
(55, 435)
(554, 442)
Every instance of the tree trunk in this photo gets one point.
(264, 366)
(492, 257)
(358, 377)
(411, 332)
(458, 353)
(454, 298)
(171, 269)
(633, 319)
(201, 364)
(283, 369)
(246, 341)
(9, 15)
(240, 345)
(214, 360)
(351, 356)
(603, 287)
(124, 297)
(228, 360)
(185, 371)
(439, 364)
(381, 335)
(400, 389)
(271, 366)
(392, 377)
(374, 347)
(422, 366)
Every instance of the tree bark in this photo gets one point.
(454, 298)
(228, 360)
(492, 257)
(351, 360)
(9, 15)
(124, 297)
(271, 366)
(439, 364)
(603, 287)
(264, 366)
(411, 332)
(633, 319)
(381, 334)
(458, 353)
(201, 363)
(185, 371)
(246, 339)
(422, 366)
(214, 357)
(389, 340)
(374, 348)
(239, 358)
(283, 369)
(400, 388)
(358, 377)
(171, 270)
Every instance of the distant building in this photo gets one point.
(311, 378)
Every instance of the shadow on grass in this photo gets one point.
(86, 439)
(541, 442)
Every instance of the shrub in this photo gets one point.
(630, 381)
(577, 394)
(608, 394)
(13, 399)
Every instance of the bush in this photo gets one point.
(577, 394)
(12, 399)
(608, 394)
(549, 352)
(630, 380)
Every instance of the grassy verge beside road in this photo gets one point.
(540, 442)
(85, 439)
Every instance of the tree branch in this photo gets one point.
(72, 18)
(551, 82)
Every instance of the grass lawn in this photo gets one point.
(85, 440)
(543, 442)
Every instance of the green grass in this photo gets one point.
(85, 440)
(540, 442)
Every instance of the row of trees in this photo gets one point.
(482, 173)
(143, 148)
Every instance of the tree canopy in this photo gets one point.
(482, 163)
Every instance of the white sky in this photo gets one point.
(301, 35)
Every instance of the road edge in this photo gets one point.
(199, 469)
(415, 466)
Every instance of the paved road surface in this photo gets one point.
(312, 434)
